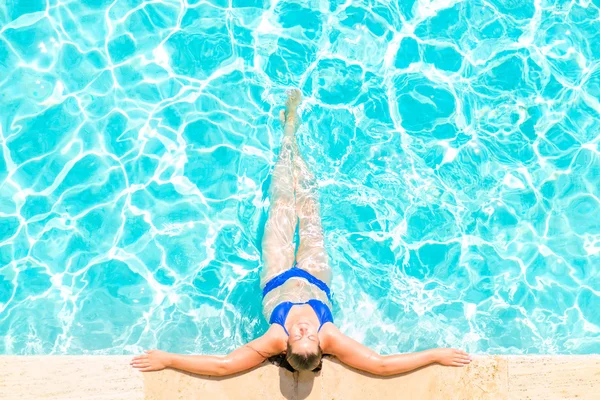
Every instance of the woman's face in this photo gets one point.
(304, 337)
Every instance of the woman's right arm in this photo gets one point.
(244, 358)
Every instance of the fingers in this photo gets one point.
(142, 362)
(144, 367)
(142, 357)
(461, 354)
(457, 351)
(137, 362)
(460, 362)
(456, 358)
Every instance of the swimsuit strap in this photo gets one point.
(323, 312)
(296, 272)
(280, 313)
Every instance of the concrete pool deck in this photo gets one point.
(488, 377)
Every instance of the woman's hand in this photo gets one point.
(452, 357)
(153, 360)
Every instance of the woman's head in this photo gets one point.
(305, 359)
(303, 350)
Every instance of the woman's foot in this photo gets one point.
(289, 116)
(294, 99)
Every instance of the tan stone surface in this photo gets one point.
(488, 377)
(554, 377)
(69, 377)
(264, 382)
(485, 378)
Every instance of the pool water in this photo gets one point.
(456, 145)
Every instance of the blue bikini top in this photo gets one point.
(281, 311)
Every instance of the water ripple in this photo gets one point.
(456, 145)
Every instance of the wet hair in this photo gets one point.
(304, 362)
(299, 362)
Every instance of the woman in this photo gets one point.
(296, 296)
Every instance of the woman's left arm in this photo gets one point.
(358, 356)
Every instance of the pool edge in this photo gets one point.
(488, 377)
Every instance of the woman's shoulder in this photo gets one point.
(276, 338)
(327, 336)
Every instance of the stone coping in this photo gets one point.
(487, 377)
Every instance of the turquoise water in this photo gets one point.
(456, 145)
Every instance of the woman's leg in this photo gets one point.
(311, 255)
(278, 239)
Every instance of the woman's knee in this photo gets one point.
(284, 206)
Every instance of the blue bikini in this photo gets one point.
(281, 311)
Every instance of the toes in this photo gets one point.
(294, 99)
(282, 117)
